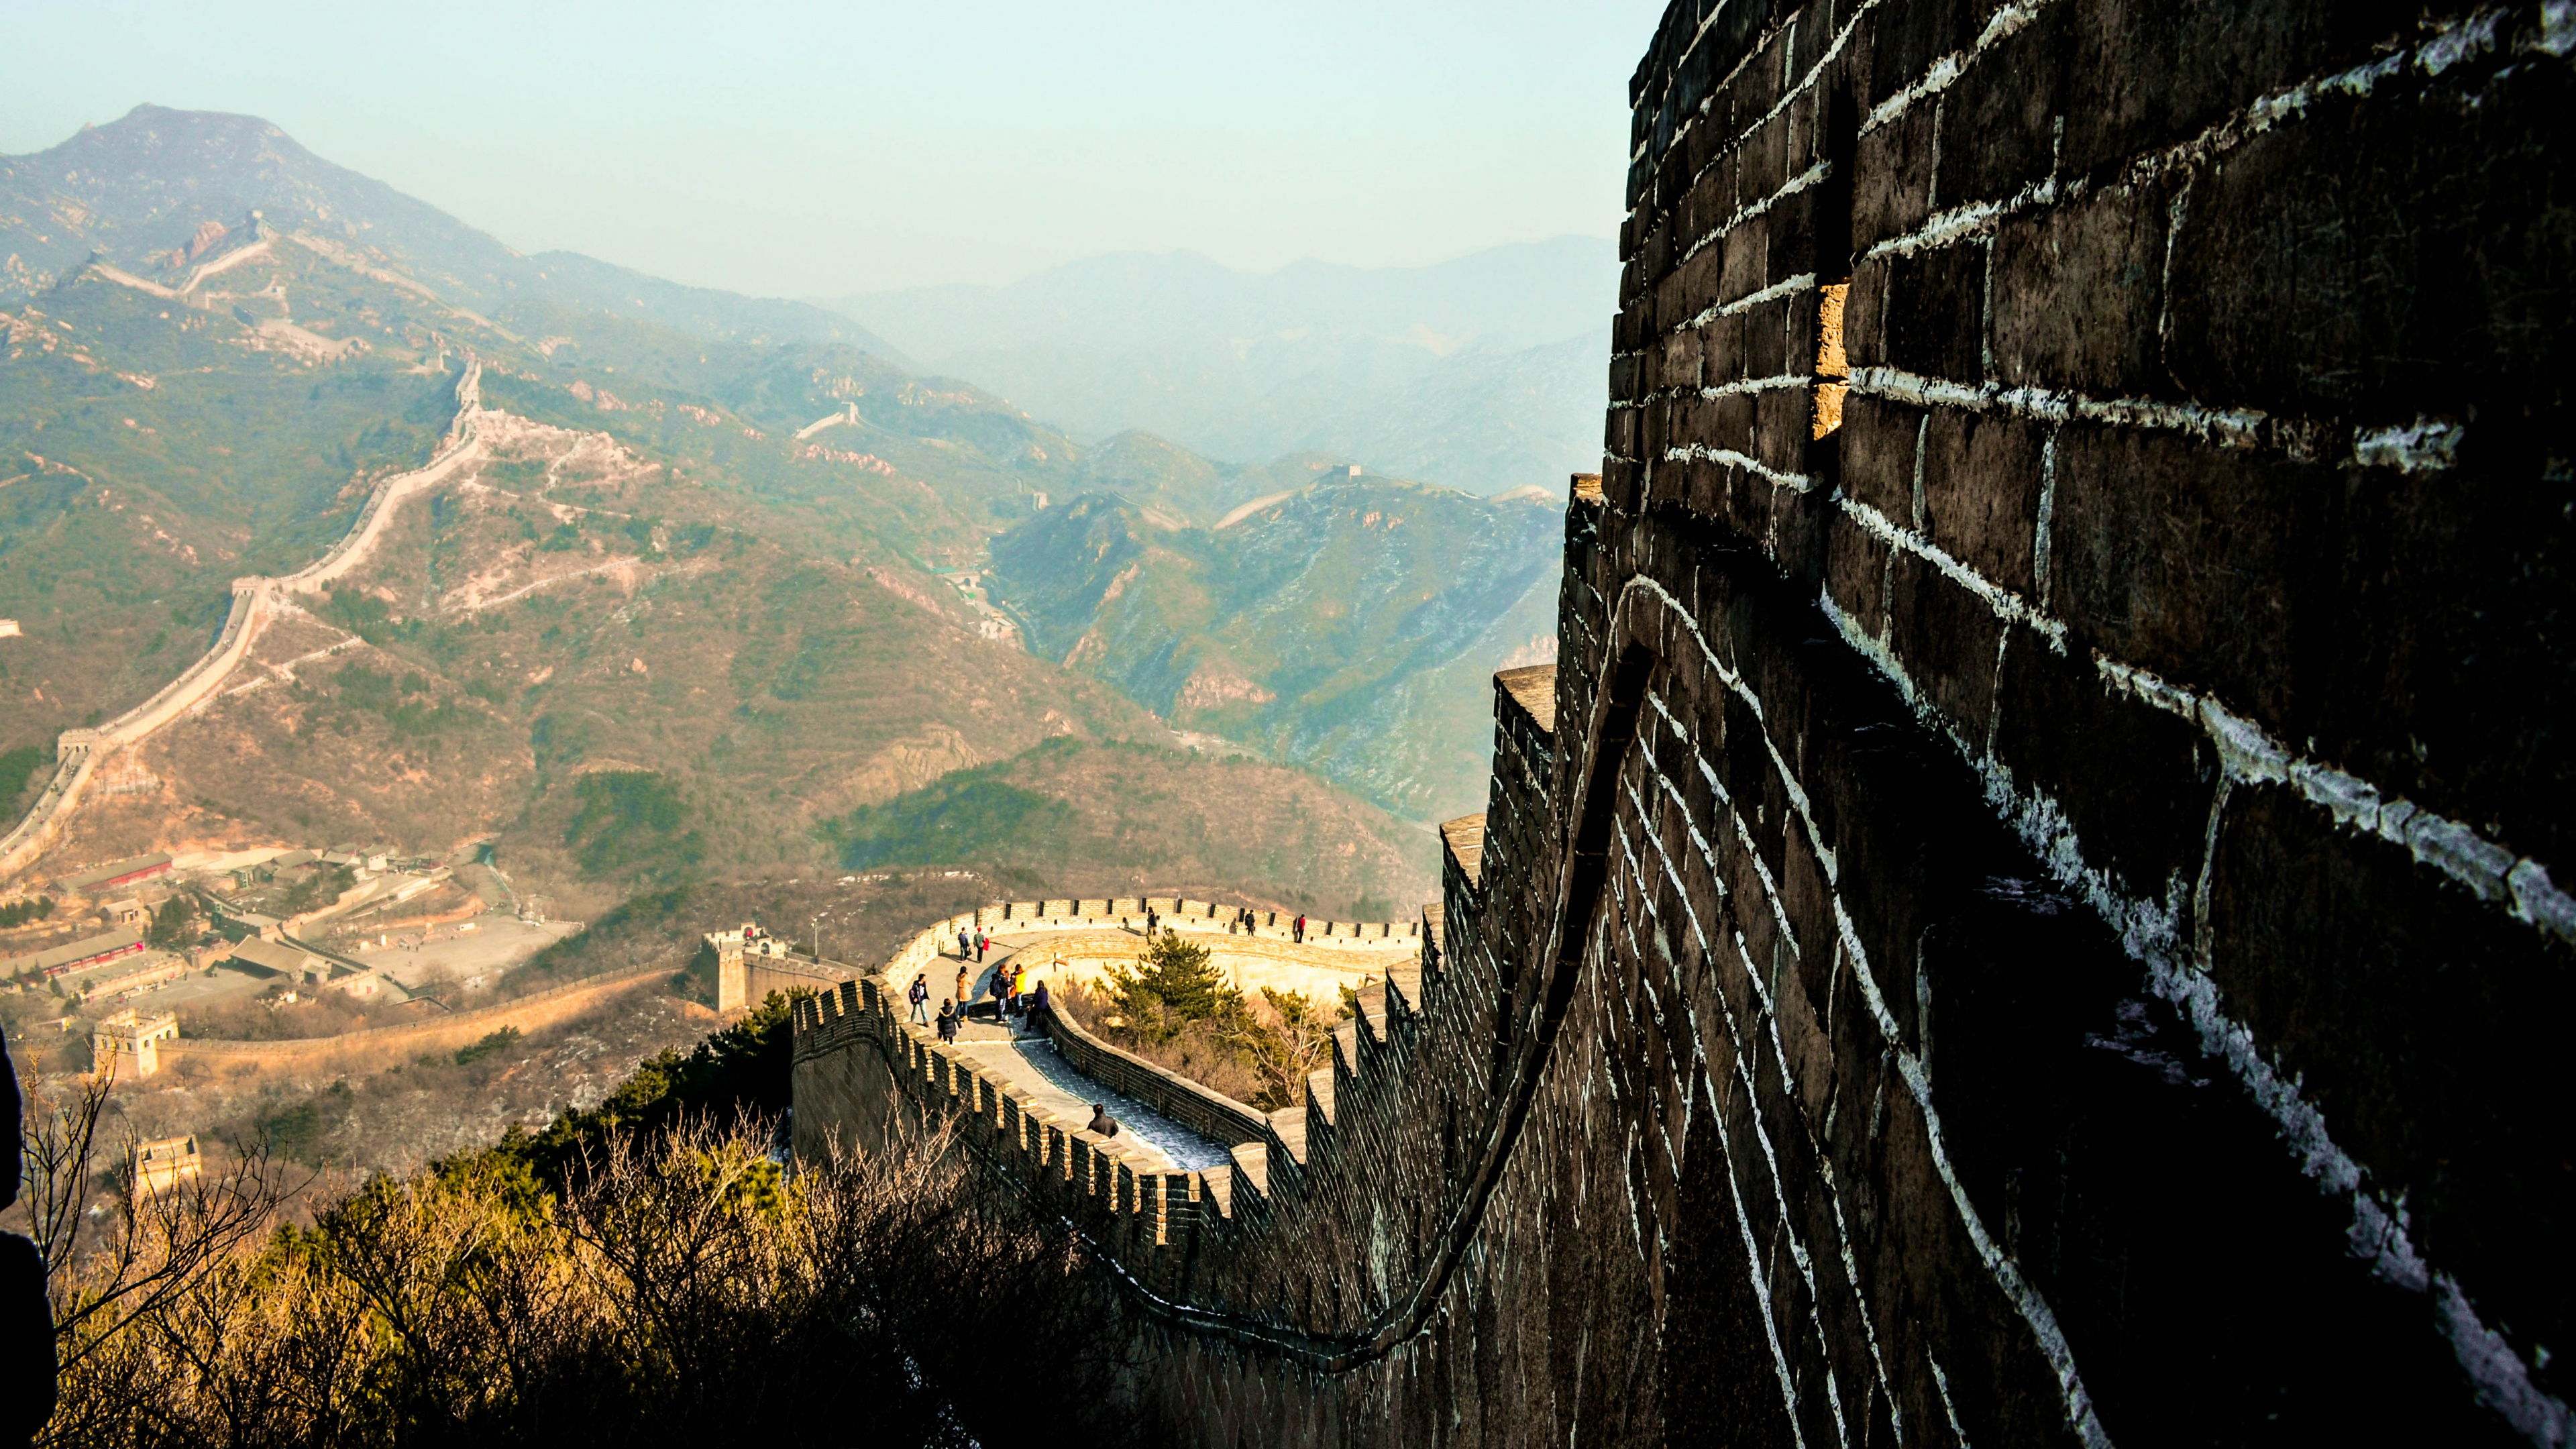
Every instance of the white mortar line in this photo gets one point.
(1788, 287)
(2490, 871)
(2034, 1309)
(1799, 482)
(2006, 22)
(1792, 187)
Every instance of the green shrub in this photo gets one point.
(498, 1041)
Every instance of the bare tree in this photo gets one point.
(118, 1250)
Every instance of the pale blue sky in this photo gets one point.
(821, 149)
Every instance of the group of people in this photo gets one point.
(1014, 995)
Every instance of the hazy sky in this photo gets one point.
(813, 150)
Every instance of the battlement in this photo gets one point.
(128, 1043)
(2034, 879)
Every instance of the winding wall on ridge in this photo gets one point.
(2027, 912)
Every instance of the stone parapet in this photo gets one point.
(2036, 882)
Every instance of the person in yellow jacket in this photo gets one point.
(1019, 990)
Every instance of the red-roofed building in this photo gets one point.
(118, 873)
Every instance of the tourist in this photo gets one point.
(1301, 928)
(965, 988)
(947, 1019)
(1001, 990)
(1102, 1122)
(964, 947)
(1150, 919)
(919, 996)
(982, 942)
(1019, 990)
(1041, 1009)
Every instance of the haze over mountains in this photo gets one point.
(699, 551)
(1481, 373)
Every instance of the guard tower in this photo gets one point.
(128, 1043)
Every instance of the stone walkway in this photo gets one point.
(1031, 1063)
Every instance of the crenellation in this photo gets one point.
(1966, 932)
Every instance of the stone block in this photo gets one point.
(2078, 295)
(1981, 485)
(2187, 559)
(1865, 312)
(2162, 74)
(2134, 781)
(1905, 40)
(2407, 1029)
(1856, 572)
(2298, 287)
(1769, 350)
(1881, 445)
(1946, 638)
(1999, 119)
(1747, 260)
(1892, 179)
(1935, 311)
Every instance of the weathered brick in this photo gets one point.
(1999, 120)
(1936, 315)
(1767, 346)
(1981, 485)
(1892, 187)
(1880, 443)
(1946, 638)
(1726, 350)
(2209, 60)
(1904, 40)
(2078, 293)
(1865, 312)
(2297, 286)
(2430, 660)
(2408, 1029)
(2135, 781)
(1747, 264)
(2188, 560)
(1856, 572)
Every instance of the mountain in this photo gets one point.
(160, 192)
(668, 607)
(1350, 626)
(1482, 373)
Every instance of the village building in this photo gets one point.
(267, 956)
(129, 975)
(75, 955)
(118, 874)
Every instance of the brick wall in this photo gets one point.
(2027, 913)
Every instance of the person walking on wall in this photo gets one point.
(919, 996)
(947, 1020)
(1150, 919)
(1001, 991)
(1041, 1010)
(965, 988)
(982, 943)
(1301, 928)
(963, 948)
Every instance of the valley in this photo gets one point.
(332, 524)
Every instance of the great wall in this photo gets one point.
(255, 602)
(2026, 912)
